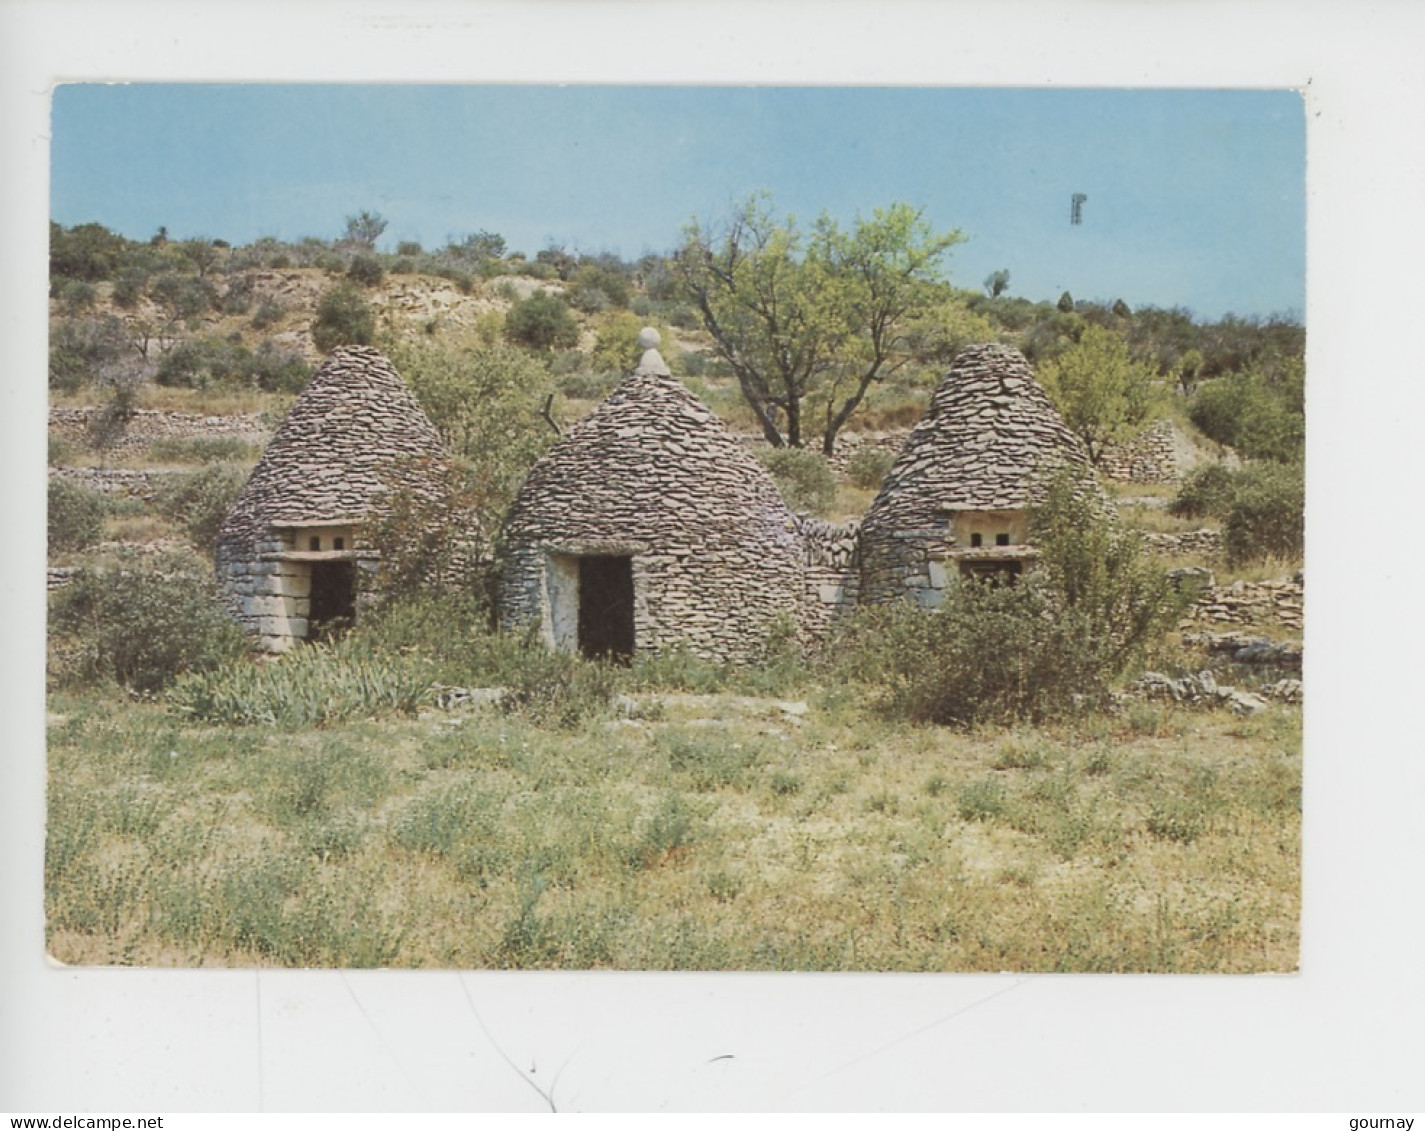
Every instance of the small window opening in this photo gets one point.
(314, 543)
(338, 543)
(1001, 539)
(977, 539)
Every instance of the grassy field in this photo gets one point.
(680, 832)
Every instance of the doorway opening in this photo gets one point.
(333, 599)
(606, 607)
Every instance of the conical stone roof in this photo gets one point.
(988, 441)
(356, 432)
(651, 463)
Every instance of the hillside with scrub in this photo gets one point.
(1095, 769)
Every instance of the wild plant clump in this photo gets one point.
(555, 689)
(199, 501)
(803, 477)
(140, 627)
(868, 467)
(313, 686)
(76, 516)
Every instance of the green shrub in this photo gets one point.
(980, 800)
(868, 467)
(199, 363)
(1046, 646)
(1261, 506)
(556, 689)
(199, 501)
(486, 400)
(269, 312)
(237, 298)
(279, 369)
(77, 295)
(595, 288)
(59, 451)
(140, 628)
(129, 288)
(366, 270)
(1207, 492)
(1267, 518)
(344, 318)
(616, 344)
(542, 322)
(1261, 419)
(186, 298)
(803, 477)
(710, 761)
(201, 449)
(990, 653)
(85, 251)
(1099, 570)
(81, 349)
(76, 516)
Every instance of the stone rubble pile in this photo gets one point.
(1284, 691)
(1201, 689)
(1245, 649)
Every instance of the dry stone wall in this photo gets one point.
(144, 426)
(139, 483)
(1190, 543)
(1150, 457)
(1277, 602)
(832, 570)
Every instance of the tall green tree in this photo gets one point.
(486, 402)
(811, 321)
(1103, 394)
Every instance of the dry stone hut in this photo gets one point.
(956, 500)
(292, 553)
(649, 527)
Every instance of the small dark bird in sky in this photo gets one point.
(1076, 208)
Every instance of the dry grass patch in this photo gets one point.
(726, 834)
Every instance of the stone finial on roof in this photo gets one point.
(652, 361)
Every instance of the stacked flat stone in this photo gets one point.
(356, 435)
(989, 441)
(833, 574)
(653, 474)
(1188, 543)
(1150, 457)
(1254, 602)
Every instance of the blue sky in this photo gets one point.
(1195, 198)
